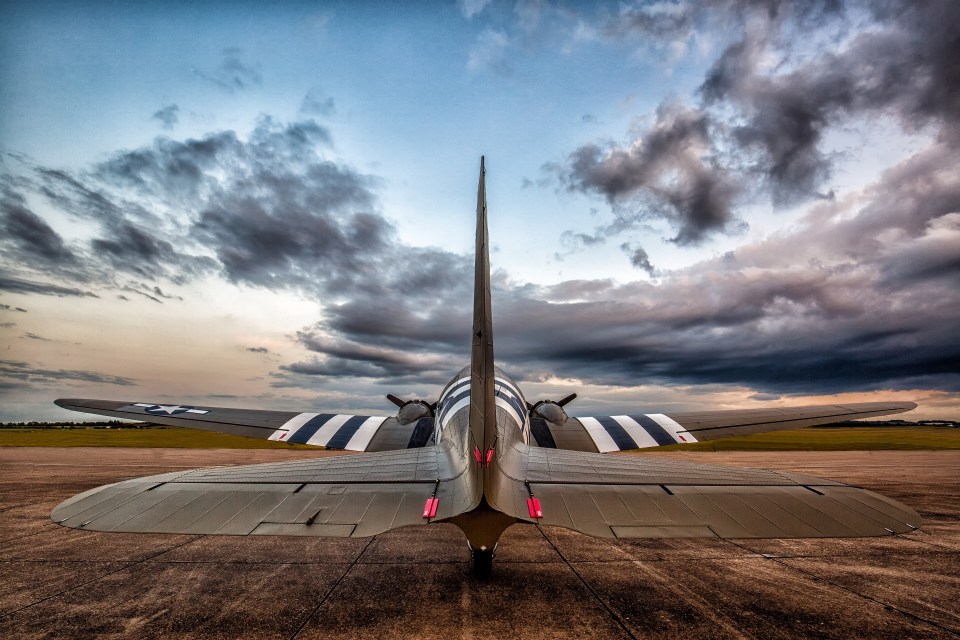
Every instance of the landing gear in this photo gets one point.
(482, 526)
(482, 563)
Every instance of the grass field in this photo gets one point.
(833, 439)
(172, 437)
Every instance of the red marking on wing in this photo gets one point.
(430, 508)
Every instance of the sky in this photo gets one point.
(693, 205)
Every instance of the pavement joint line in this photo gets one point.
(26, 535)
(15, 506)
(98, 578)
(613, 613)
(934, 514)
(935, 545)
(864, 596)
(308, 618)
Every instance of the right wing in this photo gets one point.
(333, 431)
(643, 497)
(620, 433)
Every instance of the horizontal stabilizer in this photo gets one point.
(339, 496)
(643, 497)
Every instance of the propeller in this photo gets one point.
(412, 410)
(550, 410)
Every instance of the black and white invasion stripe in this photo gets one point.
(337, 431)
(619, 433)
(456, 398)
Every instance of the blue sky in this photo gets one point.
(721, 204)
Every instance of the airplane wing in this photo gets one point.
(620, 433)
(333, 431)
(625, 496)
(336, 496)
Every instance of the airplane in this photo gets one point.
(483, 458)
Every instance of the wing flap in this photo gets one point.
(606, 434)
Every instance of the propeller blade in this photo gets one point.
(564, 401)
(395, 400)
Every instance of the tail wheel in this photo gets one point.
(482, 563)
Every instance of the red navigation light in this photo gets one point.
(533, 505)
(476, 454)
(489, 455)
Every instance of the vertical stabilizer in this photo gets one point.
(483, 407)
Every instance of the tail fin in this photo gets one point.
(483, 407)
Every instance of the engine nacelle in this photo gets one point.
(412, 410)
(552, 411)
(549, 411)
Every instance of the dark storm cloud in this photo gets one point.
(271, 211)
(670, 172)
(28, 235)
(264, 210)
(307, 224)
(169, 168)
(905, 66)
(768, 103)
(131, 248)
(233, 74)
(638, 258)
(769, 337)
(23, 372)
(143, 294)
(7, 307)
(861, 295)
(168, 116)
(133, 239)
(343, 358)
(16, 285)
(258, 350)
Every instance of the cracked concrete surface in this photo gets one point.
(548, 582)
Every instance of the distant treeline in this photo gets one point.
(122, 424)
(890, 423)
(101, 424)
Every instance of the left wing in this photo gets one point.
(637, 431)
(333, 431)
(341, 496)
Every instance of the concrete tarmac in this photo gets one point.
(547, 582)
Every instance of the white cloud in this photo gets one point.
(489, 53)
(470, 8)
